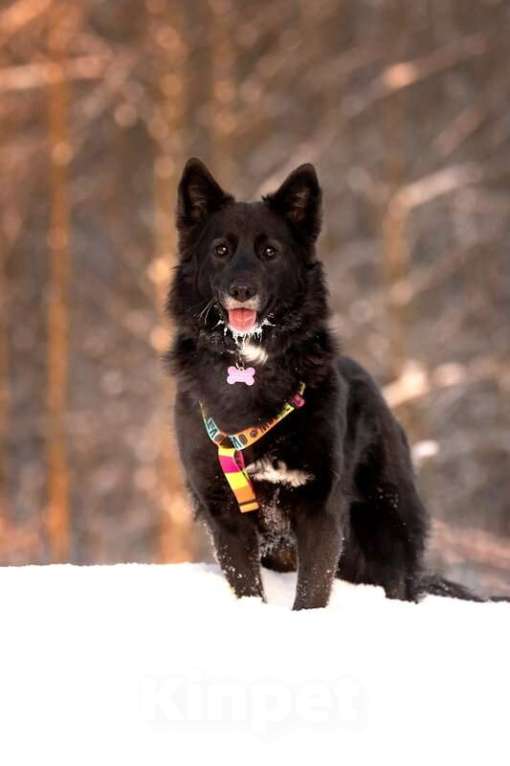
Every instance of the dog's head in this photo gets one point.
(247, 269)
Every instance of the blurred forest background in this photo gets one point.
(404, 108)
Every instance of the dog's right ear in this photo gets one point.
(199, 195)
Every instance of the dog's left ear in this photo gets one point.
(298, 200)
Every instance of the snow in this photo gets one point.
(150, 665)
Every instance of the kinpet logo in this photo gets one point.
(266, 707)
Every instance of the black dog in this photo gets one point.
(333, 480)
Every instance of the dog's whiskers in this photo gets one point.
(204, 313)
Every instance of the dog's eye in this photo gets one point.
(221, 250)
(269, 252)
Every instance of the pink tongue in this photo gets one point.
(242, 320)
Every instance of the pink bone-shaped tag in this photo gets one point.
(235, 375)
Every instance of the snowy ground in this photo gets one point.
(152, 665)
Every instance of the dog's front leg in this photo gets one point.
(319, 538)
(237, 550)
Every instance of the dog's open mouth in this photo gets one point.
(242, 320)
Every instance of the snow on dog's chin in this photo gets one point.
(253, 332)
(243, 336)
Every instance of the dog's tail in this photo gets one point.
(435, 585)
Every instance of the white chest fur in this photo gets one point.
(251, 352)
(276, 472)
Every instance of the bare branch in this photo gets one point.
(460, 129)
(435, 185)
(19, 14)
(406, 73)
(416, 382)
(43, 74)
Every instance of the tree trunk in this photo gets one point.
(58, 524)
(168, 40)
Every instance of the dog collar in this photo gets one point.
(230, 448)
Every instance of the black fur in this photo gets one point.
(359, 516)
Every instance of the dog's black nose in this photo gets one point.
(241, 291)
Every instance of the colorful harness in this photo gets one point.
(230, 448)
